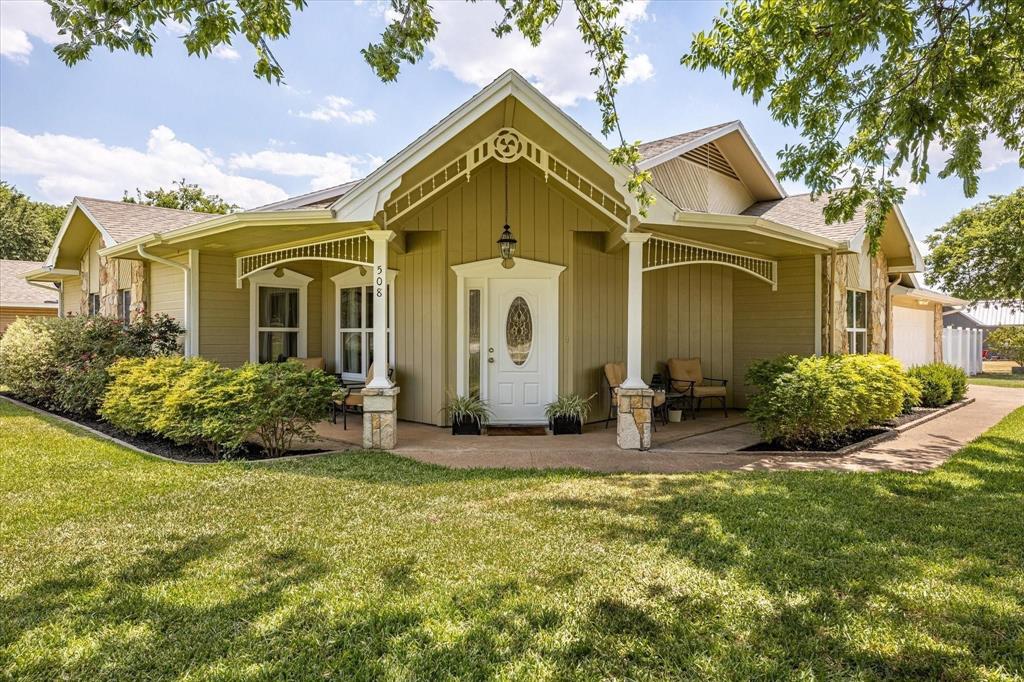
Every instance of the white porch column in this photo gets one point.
(634, 309)
(380, 239)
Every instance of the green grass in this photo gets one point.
(119, 566)
(993, 379)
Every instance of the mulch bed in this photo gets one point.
(166, 448)
(916, 414)
(851, 438)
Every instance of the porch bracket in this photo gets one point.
(508, 145)
(662, 252)
(356, 249)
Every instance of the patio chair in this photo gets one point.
(686, 376)
(615, 374)
(350, 399)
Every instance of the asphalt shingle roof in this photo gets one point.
(655, 147)
(800, 212)
(124, 221)
(15, 290)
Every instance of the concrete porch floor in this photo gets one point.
(710, 432)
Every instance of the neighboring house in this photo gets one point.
(984, 315)
(20, 298)
(405, 262)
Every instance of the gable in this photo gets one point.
(700, 184)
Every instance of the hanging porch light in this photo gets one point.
(507, 243)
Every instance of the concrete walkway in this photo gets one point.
(917, 449)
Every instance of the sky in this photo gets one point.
(119, 121)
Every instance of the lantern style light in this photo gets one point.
(507, 246)
(507, 243)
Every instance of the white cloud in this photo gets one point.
(323, 170)
(334, 108)
(559, 66)
(226, 52)
(21, 21)
(65, 166)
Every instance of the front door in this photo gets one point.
(516, 351)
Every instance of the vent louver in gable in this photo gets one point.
(709, 156)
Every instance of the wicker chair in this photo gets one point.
(685, 376)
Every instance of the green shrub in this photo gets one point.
(62, 363)
(957, 381)
(134, 398)
(28, 360)
(811, 402)
(912, 398)
(936, 387)
(1007, 342)
(282, 401)
(206, 407)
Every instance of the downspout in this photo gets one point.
(831, 300)
(186, 310)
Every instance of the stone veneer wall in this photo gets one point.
(937, 357)
(113, 272)
(878, 324)
(837, 321)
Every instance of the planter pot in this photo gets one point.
(566, 426)
(675, 416)
(465, 427)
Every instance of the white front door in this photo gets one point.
(518, 345)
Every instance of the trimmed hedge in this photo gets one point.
(812, 402)
(941, 384)
(63, 363)
(198, 402)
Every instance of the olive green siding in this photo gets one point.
(223, 311)
(769, 323)
(167, 289)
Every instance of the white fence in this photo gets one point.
(962, 347)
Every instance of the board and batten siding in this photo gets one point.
(769, 323)
(696, 188)
(468, 218)
(71, 295)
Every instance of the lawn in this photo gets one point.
(998, 379)
(119, 566)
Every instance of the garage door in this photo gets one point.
(913, 339)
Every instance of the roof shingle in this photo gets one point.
(124, 221)
(16, 291)
(655, 147)
(803, 213)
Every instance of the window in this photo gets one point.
(124, 305)
(473, 342)
(857, 320)
(94, 304)
(277, 315)
(355, 322)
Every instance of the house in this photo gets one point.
(984, 315)
(20, 298)
(405, 264)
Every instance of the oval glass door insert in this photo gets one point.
(519, 331)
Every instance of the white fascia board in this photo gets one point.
(302, 199)
(362, 202)
(76, 205)
(735, 126)
(758, 225)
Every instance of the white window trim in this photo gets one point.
(855, 330)
(350, 279)
(289, 279)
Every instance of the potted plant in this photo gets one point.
(567, 413)
(467, 414)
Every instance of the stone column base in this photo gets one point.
(636, 407)
(380, 418)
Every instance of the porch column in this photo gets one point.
(380, 397)
(380, 239)
(634, 398)
(635, 309)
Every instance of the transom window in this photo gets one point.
(857, 320)
(355, 323)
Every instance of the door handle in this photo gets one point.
(490, 360)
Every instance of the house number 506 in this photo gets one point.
(380, 282)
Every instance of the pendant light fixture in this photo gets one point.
(507, 243)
